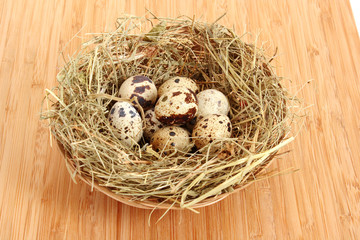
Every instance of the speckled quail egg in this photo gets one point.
(170, 138)
(210, 128)
(151, 124)
(212, 101)
(140, 88)
(126, 123)
(177, 106)
(178, 82)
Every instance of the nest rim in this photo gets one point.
(153, 204)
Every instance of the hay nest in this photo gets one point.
(210, 54)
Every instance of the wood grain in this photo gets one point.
(317, 41)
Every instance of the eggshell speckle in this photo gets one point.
(126, 123)
(212, 101)
(210, 128)
(177, 106)
(140, 88)
(151, 124)
(171, 138)
(178, 82)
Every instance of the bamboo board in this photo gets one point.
(317, 41)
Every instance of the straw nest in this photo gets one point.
(210, 54)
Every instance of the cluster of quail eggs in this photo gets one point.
(176, 115)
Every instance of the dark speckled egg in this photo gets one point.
(126, 123)
(177, 106)
(140, 88)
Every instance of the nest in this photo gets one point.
(212, 55)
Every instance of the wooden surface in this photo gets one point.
(317, 41)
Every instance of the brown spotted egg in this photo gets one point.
(177, 106)
(151, 124)
(126, 123)
(178, 82)
(170, 138)
(140, 88)
(212, 101)
(210, 128)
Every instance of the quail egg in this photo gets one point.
(177, 106)
(126, 122)
(178, 82)
(212, 101)
(170, 138)
(140, 88)
(210, 128)
(151, 124)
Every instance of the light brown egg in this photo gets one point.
(126, 123)
(178, 82)
(212, 101)
(140, 88)
(177, 106)
(169, 138)
(210, 128)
